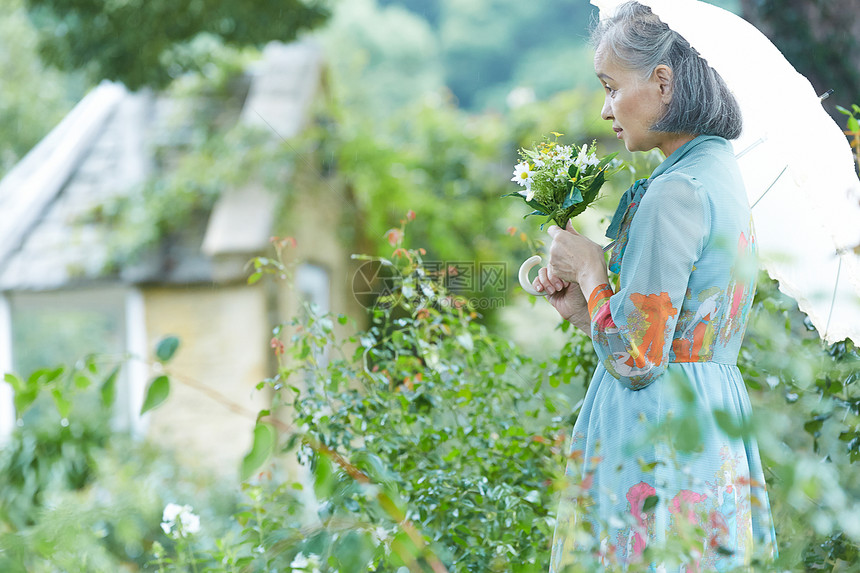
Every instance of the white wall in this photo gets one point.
(137, 370)
(7, 408)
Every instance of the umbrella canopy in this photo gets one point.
(797, 164)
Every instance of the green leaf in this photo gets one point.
(351, 552)
(24, 399)
(25, 392)
(649, 467)
(733, 427)
(45, 376)
(574, 198)
(261, 449)
(606, 160)
(650, 503)
(81, 380)
(108, 388)
(166, 348)
(16, 383)
(841, 109)
(853, 124)
(324, 477)
(64, 405)
(848, 436)
(689, 433)
(254, 278)
(814, 425)
(156, 394)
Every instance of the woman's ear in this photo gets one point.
(663, 76)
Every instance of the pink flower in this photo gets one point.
(688, 499)
(636, 496)
(277, 345)
(394, 236)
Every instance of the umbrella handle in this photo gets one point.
(533, 261)
(525, 283)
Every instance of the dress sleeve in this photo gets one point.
(632, 329)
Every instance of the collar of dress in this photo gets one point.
(618, 228)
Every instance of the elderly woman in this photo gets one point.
(649, 464)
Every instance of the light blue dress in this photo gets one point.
(650, 463)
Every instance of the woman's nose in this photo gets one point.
(606, 112)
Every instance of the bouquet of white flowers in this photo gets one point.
(560, 181)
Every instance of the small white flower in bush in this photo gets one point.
(379, 535)
(310, 563)
(179, 520)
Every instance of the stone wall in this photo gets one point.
(224, 348)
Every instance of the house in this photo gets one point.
(60, 297)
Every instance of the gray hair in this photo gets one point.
(701, 103)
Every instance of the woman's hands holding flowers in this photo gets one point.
(576, 267)
(577, 259)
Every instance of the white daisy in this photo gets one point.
(523, 174)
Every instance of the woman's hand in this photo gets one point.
(575, 259)
(566, 298)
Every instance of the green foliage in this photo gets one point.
(62, 425)
(159, 388)
(33, 99)
(143, 43)
(372, 49)
(166, 348)
(76, 495)
(173, 204)
(853, 131)
(446, 417)
(480, 50)
(429, 442)
(807, 404)
(261, 448)
(493, 42)
(156, 393)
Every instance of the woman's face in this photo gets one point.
(634, 104)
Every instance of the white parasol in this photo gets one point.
(796, 162)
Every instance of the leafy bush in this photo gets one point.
(806, 400)
(77, 496)
(425, 422)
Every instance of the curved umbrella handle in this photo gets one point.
(524, 276)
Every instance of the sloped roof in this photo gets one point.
(29, 190)
(49, 236)
(279, 100)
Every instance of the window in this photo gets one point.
(313, 287)
(47, 329)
